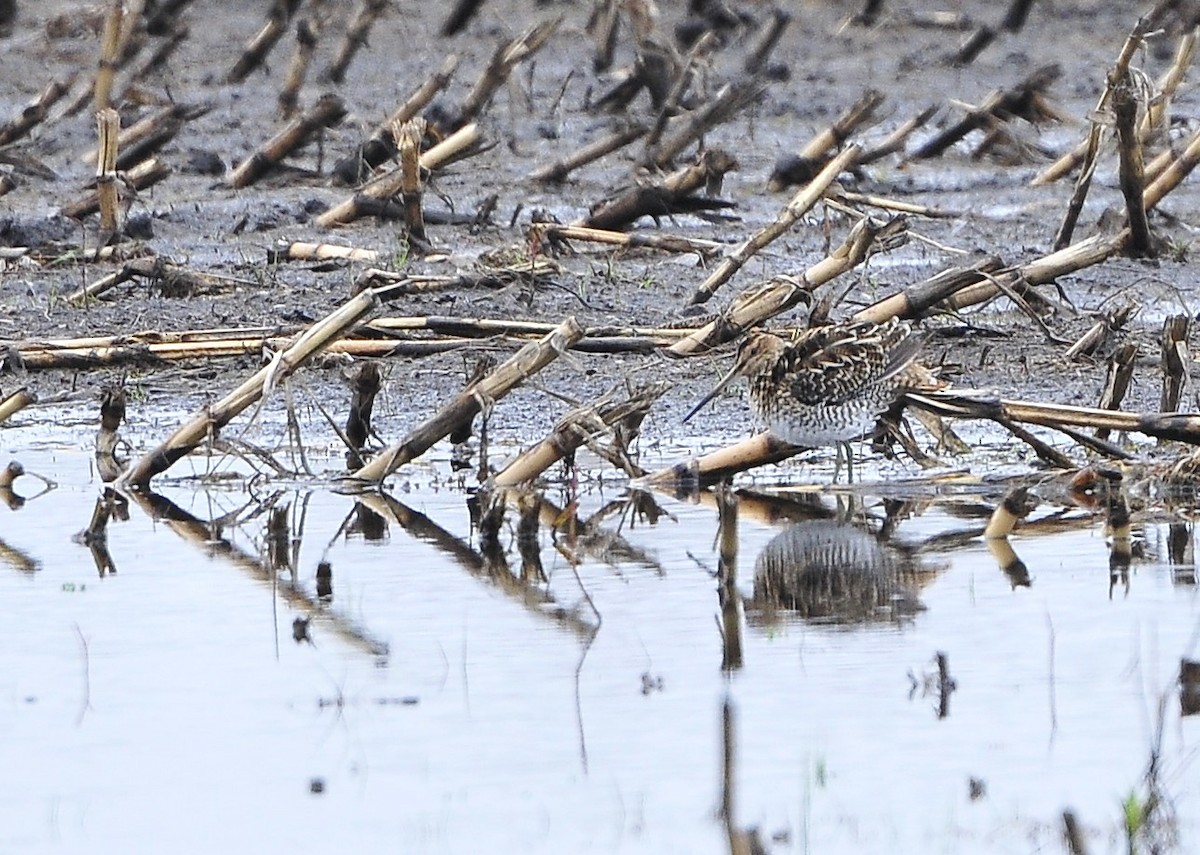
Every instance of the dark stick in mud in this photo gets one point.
(799, 205)
(997, 106)
(157, 59)
(327, 112)
(34, 112)
(388, 185)
(768, 37)
(603, 26)
(1175, 361)
(381, 145)
(669, 195)
(762, 302)
(560, 169)
(145, 174)
(806, 164)
(460, 16)
(173, 279)
(1090, 341)
(683, 79)
(974, 45)
(1116, 383)
(730, 100)
(355, 39)
(210, 421)
(1132, 177)
(1017, 14)
(1083, 181)
(256, 51)
(467, 404)
(365, 385)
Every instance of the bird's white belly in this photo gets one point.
(821, 428)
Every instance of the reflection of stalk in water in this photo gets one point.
(742, 841)
(197, 531)
(18, 560)
(536, 599)
(589, 538)
(727, 593)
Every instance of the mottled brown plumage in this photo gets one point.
(828, 384)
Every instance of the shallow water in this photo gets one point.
(168, 703)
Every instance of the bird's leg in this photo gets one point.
(843, 448)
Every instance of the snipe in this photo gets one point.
(827, 385)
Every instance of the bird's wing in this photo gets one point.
(833, 364)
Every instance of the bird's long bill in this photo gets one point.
(716, 390)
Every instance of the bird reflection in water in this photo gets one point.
(836, 572)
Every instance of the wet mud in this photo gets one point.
(543, 113)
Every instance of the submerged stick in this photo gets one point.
(208, 422)
(526, 362)
(799, 205)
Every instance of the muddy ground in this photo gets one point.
(543, 114)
